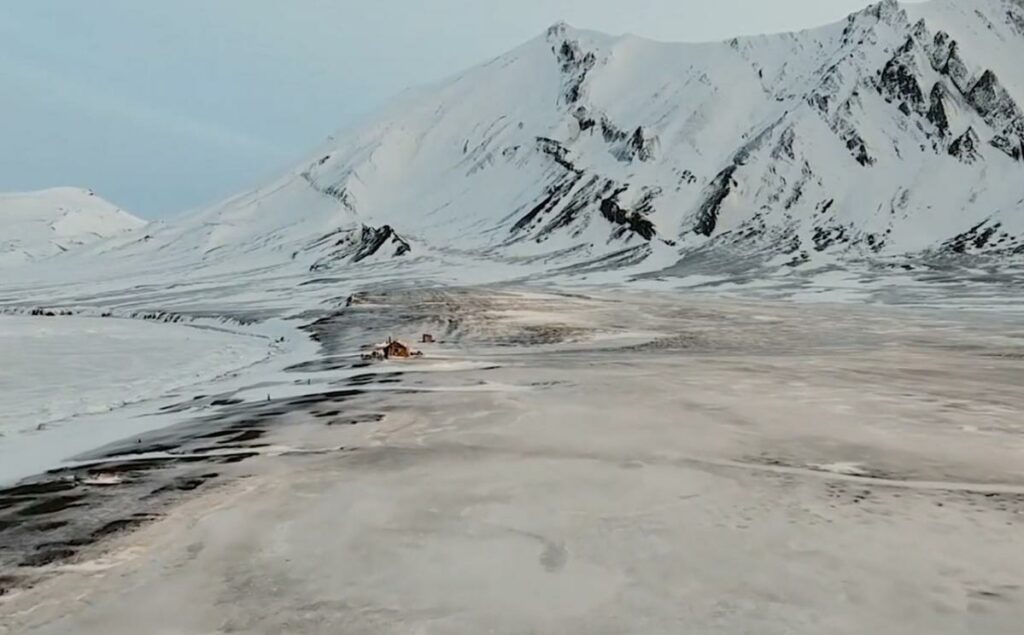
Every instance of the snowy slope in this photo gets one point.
(36, 225)
(897, 131)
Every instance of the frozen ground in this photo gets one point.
(578, 464)
(65, 381)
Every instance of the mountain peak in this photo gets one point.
(44, 223)
(558, 29)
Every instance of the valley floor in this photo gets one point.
(579, 464)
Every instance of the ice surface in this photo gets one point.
(64, 381)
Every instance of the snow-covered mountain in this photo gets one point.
(37, 225)
(897, 131)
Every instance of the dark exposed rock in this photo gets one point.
(553, 195)
(945, 57)
(987, 96)
(828, 235)
(354, 246)
(575, 63)
(784, 147)
(557, 151)
(584, 196)
(556, 192)
(645, 205)
(965, 147)
(841, 121)
(611, 132)
(718, 190)
(631, 220)
(920, 31)
(939, 49)
(992, 101)
(570, 198)
(855, 144)
(875, 242)
(899, 78)
(584, 119)
(342, 195)
(975, 239)
(1012, 147)
(995, 105)
(956, 69)
(888, 11)
(638, 146)
(937, 110)
(806, 173)
(373, 239)
(1015, 18)
(626, 146)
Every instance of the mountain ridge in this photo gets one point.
(895, 132)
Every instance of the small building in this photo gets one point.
(427, 339)
(394, 348)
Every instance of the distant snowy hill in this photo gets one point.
(37, 225)
(896, 132)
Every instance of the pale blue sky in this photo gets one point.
(165, 105)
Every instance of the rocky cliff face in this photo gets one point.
(350, 246)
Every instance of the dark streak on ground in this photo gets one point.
(53, 518)
(67, 513)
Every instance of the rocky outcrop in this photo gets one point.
(557, 151)
(711, 205)
(569, 202)
(784, 147)
(965, 147)
(625, 146)
(553, 196)
(635, 220)
(887, 11)
(937, 109)
(945, 58)
(1015, 16)
(342, 195)
(574, 62)
(356, 245)
(372, 240)
(898, 81)
(986, 96)
(574, 208)
(990, 99)
(840, 120)
(987, 237)
(640, 145)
